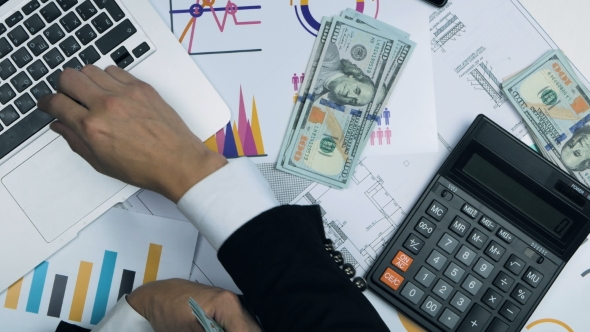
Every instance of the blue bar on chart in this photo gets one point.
(37, 285)
(104, 286)
(57, 295)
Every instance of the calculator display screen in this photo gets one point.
(515, 194)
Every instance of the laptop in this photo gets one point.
(47, 192)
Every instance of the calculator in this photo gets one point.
(486, 239)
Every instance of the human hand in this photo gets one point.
(125, 130)
(165, 305)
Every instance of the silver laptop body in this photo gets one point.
(47, 192)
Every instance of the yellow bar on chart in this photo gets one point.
(153, 263)
(80, 291)
(13, 294)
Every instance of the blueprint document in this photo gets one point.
(475, 44)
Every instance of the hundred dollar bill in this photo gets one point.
(402, 52)
(316, 52)
(327, 141)
(556, 107)
(207, 322)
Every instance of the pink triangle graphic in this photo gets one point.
(220, 138)
(242, 120)
(249, 143)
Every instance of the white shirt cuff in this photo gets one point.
(227, 199)
(123, 318)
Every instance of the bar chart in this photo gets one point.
(117, 253)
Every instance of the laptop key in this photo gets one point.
(30, 7)
(73, 63)
(38, 45)
(14, 19)
(50, 12)
(21, 57)
(53, 79)
(86, 34)
(86, 10)
(22, 130)
(18, 36)
(89, 55)
(2, 28)
(21, 81)
(6, 93)
(40, 90)
(66, 4)
(8, 115)
(116, 36)
(6, 69)
(53, 58)
(37, 70)
(54, 33)
(34, 24)
(69, 46)
(141, 49)
(102, 22)
(5, 47)
(24, 103)
(113, 9)
(70, 22)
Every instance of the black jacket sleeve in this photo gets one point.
(279, 262)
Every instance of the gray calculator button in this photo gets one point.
(436, 210)
(514, 264)
(488, 223)
(448, 243)
(483, 268)
(471, 284)
(425, 227)
(460, 301)
(465, 255)
(431, 306)
(425, 277)
(436, 260)
(532, 277)
(412, 293)
(449, 319)
(477, 238)
(459, 226)
(470, 211)
(454, 272)
(442, 289)
(521, 294)
(495, 251)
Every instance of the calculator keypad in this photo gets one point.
(455, 265)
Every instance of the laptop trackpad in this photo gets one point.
(56, 188)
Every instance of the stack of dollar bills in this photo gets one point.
(556, 108)
(355, 63)
(208, 324)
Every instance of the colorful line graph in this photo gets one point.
(196, 12)
(311, 25)
(243, 139)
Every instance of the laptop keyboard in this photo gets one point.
(40, 38)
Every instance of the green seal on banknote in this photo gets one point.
(327, 145)
(549, 97)
(358, 52)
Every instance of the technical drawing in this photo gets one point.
(482, 78)
(361, 231)
(448, 28)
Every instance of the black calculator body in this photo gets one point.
(487, 238)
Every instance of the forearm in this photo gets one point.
(279, 262)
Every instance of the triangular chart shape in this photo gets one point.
(229, 148)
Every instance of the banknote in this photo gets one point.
(556, 107)
(327, 140)
(208, 324)
(402, 53)
(312, 64)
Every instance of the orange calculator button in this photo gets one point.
(402, 261)
(391, 279)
